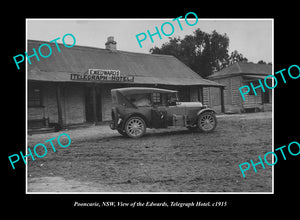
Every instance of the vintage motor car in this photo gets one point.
(137, 108)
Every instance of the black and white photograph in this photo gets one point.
(152, 117)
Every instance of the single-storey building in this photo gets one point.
(235, 76)
(73, 86)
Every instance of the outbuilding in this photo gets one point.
(235, 76)
(73, 86)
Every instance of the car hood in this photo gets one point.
(190, 104)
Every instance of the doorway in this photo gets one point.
(93, 107)
(184, 94)
(265, 97)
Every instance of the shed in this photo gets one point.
(235, 76)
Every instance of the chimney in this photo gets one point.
(111, 44)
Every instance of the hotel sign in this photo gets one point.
(102, 75)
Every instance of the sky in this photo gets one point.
(251, 37)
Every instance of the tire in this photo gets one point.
(207, 122)
(135, 127)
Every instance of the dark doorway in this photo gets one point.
(93, 111)
(184, 94)
(265, 96)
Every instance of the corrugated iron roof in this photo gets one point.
(249, 76)
(146, 68)
(243, 68)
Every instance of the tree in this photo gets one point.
(261, 62)
(235, 56)
(202, 52)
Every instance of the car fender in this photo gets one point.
(206, 110)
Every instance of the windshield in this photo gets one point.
(173, 97)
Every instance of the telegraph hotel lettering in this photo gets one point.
(102, 75)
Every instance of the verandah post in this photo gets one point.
(222, 100)
(94, 104)
(59, 108)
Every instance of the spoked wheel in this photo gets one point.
(135, 127)
(207, 122)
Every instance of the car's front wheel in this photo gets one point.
(135, 127)
(207, 121)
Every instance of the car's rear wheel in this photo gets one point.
(207, 122)
(135, 127)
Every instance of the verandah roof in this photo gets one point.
(146, 68)
(243, 68)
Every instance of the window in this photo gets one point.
(140, 100)
(34, 97)
(156, 99)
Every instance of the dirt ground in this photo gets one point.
(165, 160)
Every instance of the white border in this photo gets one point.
(213, 193)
